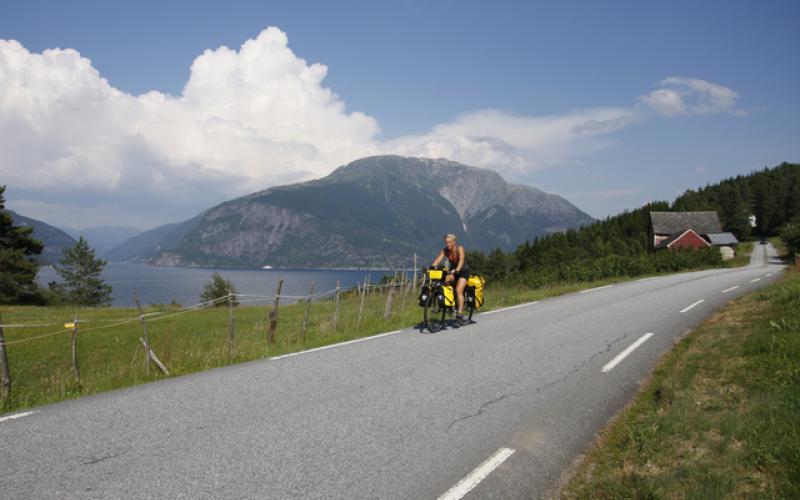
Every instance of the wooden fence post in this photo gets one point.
(403, 295)
(75, 350)
(145, 339)
(414, 283)
(155, 359)
(336, 307)
(273, 315)
(231, 322)
(4, 362)
(305, 313)
(387, 310)
(361, 307)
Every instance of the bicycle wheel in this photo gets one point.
(434, 314)
(469, 298)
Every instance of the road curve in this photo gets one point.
(497, 409)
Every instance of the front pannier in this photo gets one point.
(424, 294)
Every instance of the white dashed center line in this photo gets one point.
(690, 307)
(476, 476)
(624, 354)
(731, 288)
(755, 280)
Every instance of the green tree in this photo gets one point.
(18, 268)
(80, 271)
(218, 288)
(790, 234)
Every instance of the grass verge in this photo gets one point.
(718, 418)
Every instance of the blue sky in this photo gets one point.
(424, 75)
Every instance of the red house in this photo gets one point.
(667, 226)
(686, 239)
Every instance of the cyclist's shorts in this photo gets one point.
(464, 273)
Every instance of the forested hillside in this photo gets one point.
(772, 195)
(619, 245)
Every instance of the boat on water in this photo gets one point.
(267, 267)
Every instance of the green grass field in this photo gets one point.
(719, 417)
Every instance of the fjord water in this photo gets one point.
(161, 285)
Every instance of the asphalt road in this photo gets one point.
(503, 406)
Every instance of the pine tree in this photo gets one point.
(80, 271)
(18, 269)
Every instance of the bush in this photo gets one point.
(218, 288)
(790, 235)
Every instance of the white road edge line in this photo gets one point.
(687, 308)
(476, 476)
(595, 289)
(647, 279)
(317, 349)
(18, 415)
(731, 288)
(754, 280)
(509, 308)
(624, 354)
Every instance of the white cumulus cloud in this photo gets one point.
(515, 144)
(681, 96)
(247, 118)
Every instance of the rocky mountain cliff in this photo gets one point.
(374, 212)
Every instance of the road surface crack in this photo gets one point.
(540, 388)
(482, 409)
(102, 458)
(575, 369)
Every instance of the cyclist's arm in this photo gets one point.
(438, 259)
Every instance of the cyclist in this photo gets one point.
(458, 271)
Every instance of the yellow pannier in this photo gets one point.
(435, 274)
(449, 296)
(477, 283)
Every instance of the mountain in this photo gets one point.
(55, 240)
(103, 238)
(373, 212)
(148, 245)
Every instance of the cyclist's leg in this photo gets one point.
(460, 287)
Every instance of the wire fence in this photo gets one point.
(338, 310)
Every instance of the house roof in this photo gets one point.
(678, 222)
(675, 237)
(720, 239)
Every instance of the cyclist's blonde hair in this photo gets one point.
(450, 236)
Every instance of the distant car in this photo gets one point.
(764, 242)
